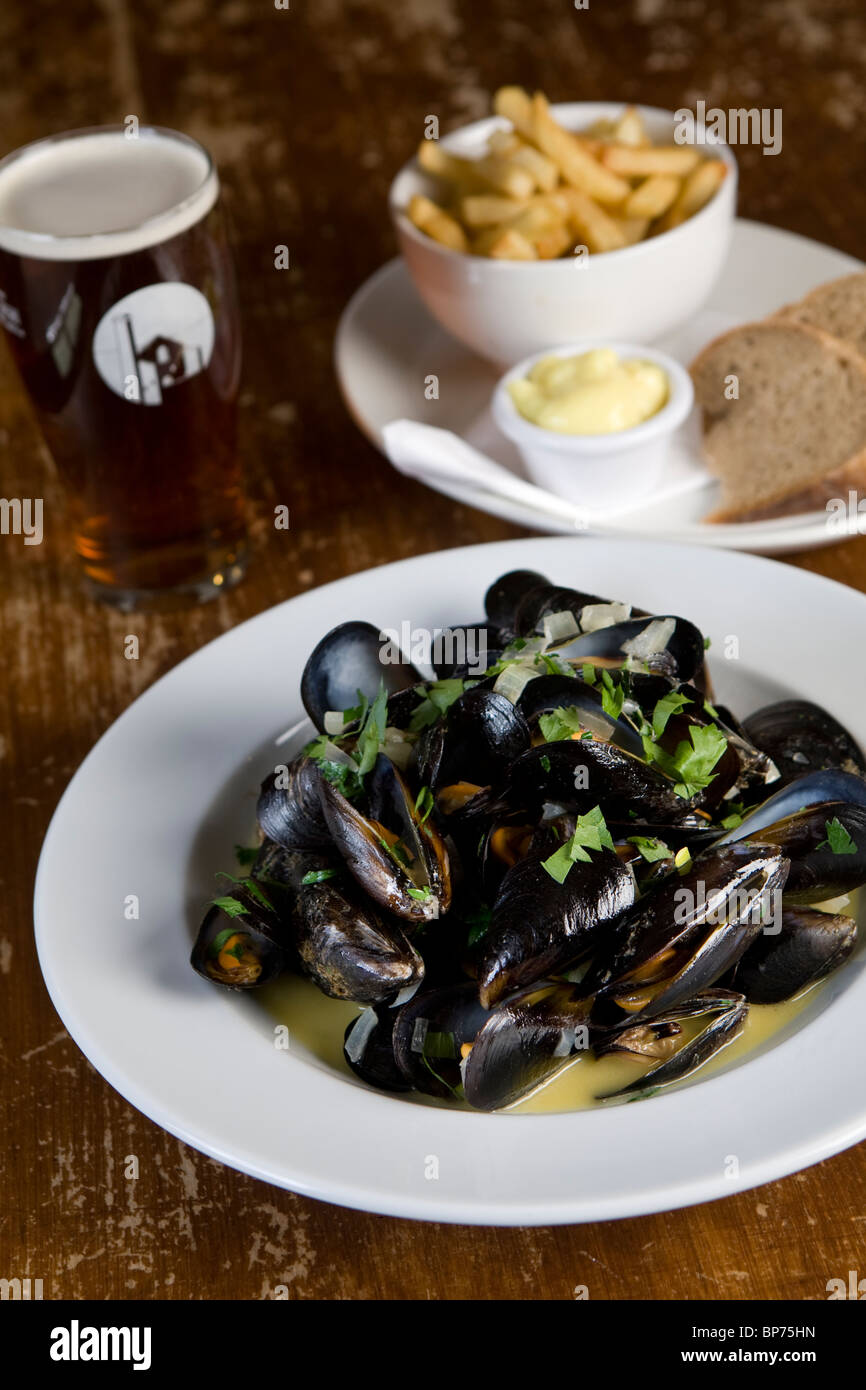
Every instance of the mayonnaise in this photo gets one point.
(592, 393)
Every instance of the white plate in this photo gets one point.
(387, 346)
(159, 803)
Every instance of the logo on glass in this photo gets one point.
(152, 340)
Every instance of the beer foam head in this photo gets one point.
(99, 193)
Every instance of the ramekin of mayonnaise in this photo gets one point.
(593, 421)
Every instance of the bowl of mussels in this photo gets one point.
(557, 853)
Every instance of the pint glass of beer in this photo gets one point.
(118, 300)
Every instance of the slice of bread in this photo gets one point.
(796, 435)
(839, 307)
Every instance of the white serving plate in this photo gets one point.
(387, 346)
(158, 804)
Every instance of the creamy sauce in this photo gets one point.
(316, 1025)
(591, 393)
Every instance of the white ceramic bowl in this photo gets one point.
(596, 470)
(507, 309)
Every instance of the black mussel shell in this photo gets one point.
(547, 693)
(543, 600)
(479, 737)
(814, 789)
(802, 737)
(523, 1044)
(429, 1034)
(245, 945)
(539, 926)
(396, 855)
(581, 774)
(666, 645)
(464, 651)
(348, 948)
(727, 1013)
(355, 656)
(826, 845)
(692, 929)
(368, 1047)
(809, 946)
(289, 809)
(505, 593)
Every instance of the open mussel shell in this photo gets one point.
(478, 739)
(545, 694)
(352, 657)
(826, 845)
(727, 1014)
(289, 809)
(524, 1044)
(539, 927)
(663, 645)
(813, 789)
(242, 944)
(430, 1033)
(396, 855)
(581, 774)
(802, 737)
(809, 946)
(541, 601)
(368, 1047)
(688, 933)
(348, 948)
(504, 595)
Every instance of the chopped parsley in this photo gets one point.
(232, 908)
(245, 856)
(668, 705)
(651, 849)
(424, 804)
(612, 696)
(838, 840)
(590, 833)
(691, 766)
(561, 723)
(438, 697)
(318, 876)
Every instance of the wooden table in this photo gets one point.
(309, 111)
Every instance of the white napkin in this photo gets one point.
(435, 455)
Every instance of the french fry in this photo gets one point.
(505, 142)
(652, 197)
(491, 169)
(657, 159)
(488, 209)
(630, 129)
(515, 105)
(697, 190)
(596, 228)
(449, 167)
(634, 229)
(577, 167)
(437, 223)
(505, 244)
(544, 226)
(542, 169)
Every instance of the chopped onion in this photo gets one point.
(513, 681)
(405, 995)
(652, 640)
(331, 753)
(419, 1034)
(558, 626)
(398, 747)
(334, 721)
(357, 1039)
(598, 615)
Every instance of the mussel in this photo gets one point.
(243, 941)
(540, 926)
(391, 846)
(524, 1044)
(353, 657)
(368, 1046)
(430, 1034)
(348, 948)
(289, 809)
(692, 929)
(809, 946)
(481, 734)
(726, 1011)
(825, 843)
(802, 737)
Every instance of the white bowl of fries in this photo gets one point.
(540, 225)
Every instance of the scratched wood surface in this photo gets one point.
(308, 112)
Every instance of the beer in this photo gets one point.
(118, 300)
